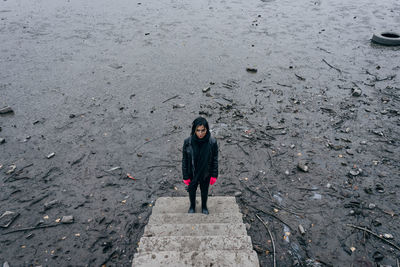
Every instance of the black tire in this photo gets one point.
(386, 38)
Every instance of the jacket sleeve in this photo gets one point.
(185, 171)
(214, 160)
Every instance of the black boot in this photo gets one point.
(204, 196)
(192, 198)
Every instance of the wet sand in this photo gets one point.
(90, 82)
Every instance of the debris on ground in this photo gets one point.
(67, 219)
(6, 110)
(7, 218)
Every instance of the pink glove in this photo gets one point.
(187, 182)
(213, 180)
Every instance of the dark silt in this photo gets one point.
(96, 83)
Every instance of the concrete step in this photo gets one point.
(175, 200)
(182, 218)
(195, 229)
(194, 243)
(196, 258)
(181, 205)
(175, 238)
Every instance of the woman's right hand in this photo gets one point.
(187, 182)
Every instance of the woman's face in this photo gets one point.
(201, 131)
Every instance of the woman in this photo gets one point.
(199, 162)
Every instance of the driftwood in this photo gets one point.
(272, 239)
(374, 234)
(339, 70)
(244, 151)
(170, 98)
(32, 228)
(299, 77)
(390, 77)
(284, 85)
(276, 217)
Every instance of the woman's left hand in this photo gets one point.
(213, 180)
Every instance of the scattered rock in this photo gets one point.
(350, 152)
(301, 229)
(248, 226)
(379, 188)
(205, 113)
(388, 236)
(205, 90)
(12, 169)
(377, 256)
(178, 106)
(355, 172)
(356, 91)
(371, 206)
(6, 110)
(368, 190)
(114, 169)
(71, 116)
(335, 147)
(224, 103)
(238, 194)
(67, 219)
(51, 204)
(252, 70)
(5, 264)
(115, 66)
(7, 218)
(302, 166)
(49, 156)
(313, 263)
(376, 222)
(317, 196)
(2, 140)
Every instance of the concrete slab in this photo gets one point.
(194, 243)
(211, 200)
(183, 218)
(220, 258)
(195, 229)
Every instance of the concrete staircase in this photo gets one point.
(175, 238)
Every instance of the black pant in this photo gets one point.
(204, 193)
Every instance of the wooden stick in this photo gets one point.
(331, 66)
(170, 98)
(374, 234)
(299, 77)
(276, 217)
(272, 239)
(32, 228)
(244, 151)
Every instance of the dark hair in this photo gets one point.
(197, 122)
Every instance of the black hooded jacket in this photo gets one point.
(188, 160)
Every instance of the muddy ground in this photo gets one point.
(107, 84)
